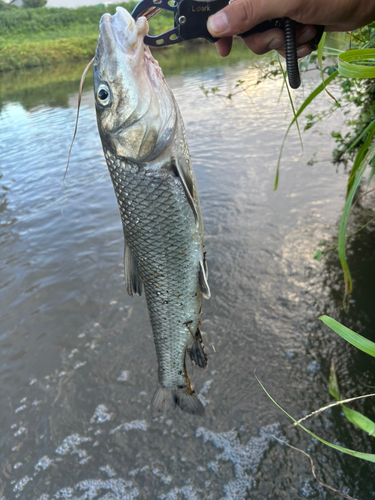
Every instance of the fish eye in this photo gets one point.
(103, 95)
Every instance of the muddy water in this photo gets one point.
(77, 361)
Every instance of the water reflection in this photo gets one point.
(77, 361)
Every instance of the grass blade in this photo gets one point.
(361, 153)
(354, 417)
(320, 53)
(301, 109)
(349, 69)
(320, 61)
(333, 385)
(295, 120)
(345, 216)
(359, 420)
(364, 456)
(356, 141)
(353, 338)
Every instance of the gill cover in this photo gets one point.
(136, 113)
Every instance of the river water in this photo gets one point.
(77, 361)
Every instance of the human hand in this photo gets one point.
(242, 15)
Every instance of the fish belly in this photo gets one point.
(160, 230)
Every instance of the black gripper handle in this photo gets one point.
(289, 27)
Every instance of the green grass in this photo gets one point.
(41, 37)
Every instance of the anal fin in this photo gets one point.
(189, 402)
(132, 279)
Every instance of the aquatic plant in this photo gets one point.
(356, 418)
(352, 64)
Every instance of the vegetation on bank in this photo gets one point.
(43, 36)
(6, 6)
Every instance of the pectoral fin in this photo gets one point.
(132, 279)
(188, 185)
(203, 283)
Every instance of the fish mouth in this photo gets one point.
(121, 31)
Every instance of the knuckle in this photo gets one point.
(246, 12)
(255, 46)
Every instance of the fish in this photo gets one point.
(145, 147)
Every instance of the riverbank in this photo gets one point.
(43, 37)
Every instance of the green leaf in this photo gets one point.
(356, 141)
(347, 68)
(354, 417)
(359, 420)
(320, 53)
(365, 456)
(353, 338)
(333, 385)
(361, 153)
(318, 255)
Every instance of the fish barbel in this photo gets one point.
(145, 147)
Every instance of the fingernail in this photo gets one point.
(276, 43)
(303, 51)
(306, 36)
(218, 23)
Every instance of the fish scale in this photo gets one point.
(160, 229)
(144, 142)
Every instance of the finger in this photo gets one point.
(260, 43)
(242, 15)
(224, 46)
(302, 51)
(305, 34)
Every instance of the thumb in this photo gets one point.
(242, 15)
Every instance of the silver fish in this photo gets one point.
(145, 147)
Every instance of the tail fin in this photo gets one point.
(162, 402)
(189, 401)
(164, 399)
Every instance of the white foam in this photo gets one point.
(20, 408)
(246, 458)
(123, 377)
(20, 431)
(22, 483)
(164, 479)
(118, 489)
(70, 443)
(108, 470)
(140, 425)
(186, 492)
(43, 463)
(79, 364)
(101, 415)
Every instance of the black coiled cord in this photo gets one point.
(291, 53)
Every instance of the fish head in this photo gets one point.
(136, 111)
